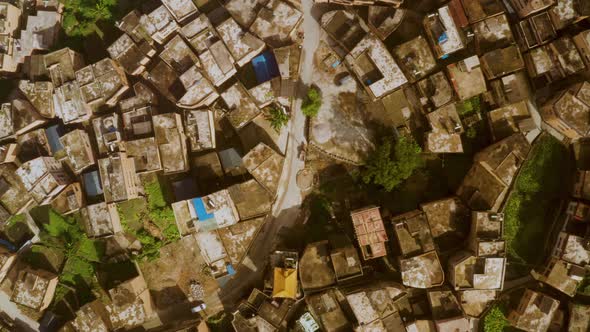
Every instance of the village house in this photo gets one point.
(419, 263)
(159, 25)
(265, 165)
(43, 178)
(118, 178)
(210, 212)
(525, 8)
(223, 249)
(535, 31)
(242, 108)
(492, 32)
(108, 133)
(79, 152)
(392, 3)
(131, 304)
(384, 20)
(8, 29)
(17, 118)
(199, 127)
(171, 140)
(501, 62)
(102, 83)
(478, 10)
(382, 308)
(242, 45)
(370, 232)
(486, 184)
(446, 312)
(14, 197)
(145, 154)
(435, 91)
(447, 128)
(330, 309)
(568, 12)
(251, 199)
(448, 221)
(133, 55)
(511, 88)
(217, 62)
(70, 200)
(511, 119)
(567, 111)
(182, 10)
(260, 311)
(345, 258)
(554, 61)
(315, 272)
(40, 95)
(579, 317)
(582, 42)
(467, 77)
(375, 67)
(344, 28)
(276, 23)
(534, 312)
(444, 29)
(34, 289)
(415, 58)
(91, 317)
(35, 144)
(100, 220)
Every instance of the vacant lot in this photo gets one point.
(534, 202)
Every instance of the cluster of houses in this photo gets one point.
(183, 94)
(451, 256)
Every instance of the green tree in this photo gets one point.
(277, 117)
(312, 103)
(389, 168)
(495, 321)
(80, 16)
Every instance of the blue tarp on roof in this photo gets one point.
(201, 210)
(265, 67)
(53, 133)
(92, 184)
(230, 269)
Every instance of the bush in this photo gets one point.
(532, 205)
(495, 321)
(389, 168)
(312, 103)
(80, 16)
(277, 117)
(469, 106)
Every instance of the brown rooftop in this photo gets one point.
(370, 232)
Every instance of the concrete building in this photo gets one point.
(131, 304)
(102, 84)
(525, 8)
(568, 110)
(242, 45)
(8, 30)
(554, 61)
(118, 177)
(447, 128)
(444, 29)
(34, 289)
(199, 127)
(534, 312)
(100, 220)
(265, 165)
(370, 232)
(78, 150)
(44, 178)
(171, 140)
(14, 196)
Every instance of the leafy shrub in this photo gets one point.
(312, 103)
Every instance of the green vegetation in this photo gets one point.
(535, 199)
(137, 215)
(62, 239)
(220, 322)
(312, 103)
(584, 287)
(495, 320)
(277, 117)
(81, 16)
(389, 168)
(469, 107)
(16, 230)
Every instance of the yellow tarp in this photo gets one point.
(285, 283)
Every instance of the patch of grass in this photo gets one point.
(63, 236)
(220, 322)
(495, 320)
(156, 210)
(312, 102)
(533, 203)
(278, 118)
(469, 107)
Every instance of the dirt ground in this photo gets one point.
(169, 277)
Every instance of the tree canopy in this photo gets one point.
(389, 165)
(80, 16)
(277, 117)
(312, 102)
